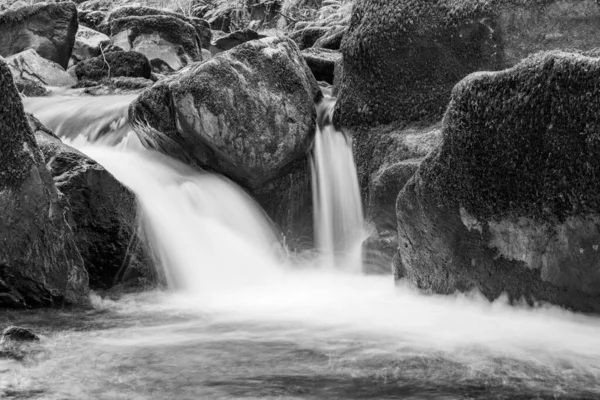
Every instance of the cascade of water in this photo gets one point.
(101, 119)
(339, 221)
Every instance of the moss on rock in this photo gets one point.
(509, 200)
(48, 28)
(524, 142)
(114, 64)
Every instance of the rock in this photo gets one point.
(113, 86)
(94, 20)
(96, 5)
(40, 263)
(233, 39)
(47, 28)
(528, 28)
(168, 38)
(332, 39)
(322, 63)
(434, 46)
(509, 200)
(307, 37)
(114, 64)
(248, 113)
(201, 26)
(396, 156)
(30, 88)
(18, 334)
(88, 44)
(103, 211)
(29, 66)
(338, 72)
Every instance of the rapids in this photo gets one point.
(246, 320)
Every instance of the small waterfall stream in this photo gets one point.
(339, 221)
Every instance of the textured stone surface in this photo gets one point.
(509, 201)
(229, 41)
(201, 26)
(158, 36)
(88, 44)
(114, 64)
(39, 262)
(48, 28)
(103, 212)
(322, 63)
(248, 113)
(30, 66)
(402, 58)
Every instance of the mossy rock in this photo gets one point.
(201, 26)
(114, 64)
(509, 200)
(102, 213)
(158, 36)
(248, 113)
(229, 41)
(39, 261)
(48, 28)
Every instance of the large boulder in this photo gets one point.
(30, 66)
(103, 212)
(247, 113)
(114, 64)
(401, 60)
(39, 261)
(88, 44)
(201, 26)
(509, 202)
(48, 28)
(158, 36)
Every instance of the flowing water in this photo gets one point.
(246, 321)
(339, 221)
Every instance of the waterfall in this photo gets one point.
(101, 119)
(338, 214)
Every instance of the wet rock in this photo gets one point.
(322, 63)
(102, 211)
(30, 66)
(88, 44)
(114, 64)
(39, 261)
(233, 39)
(247, 113)
(509, 200)
(47, 28)
(29, 88)
(396, 155)
(158, 36)
(17, 334)
(114, 86)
